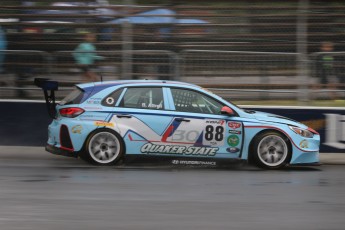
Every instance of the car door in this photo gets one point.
(141, 118)
(199, 126)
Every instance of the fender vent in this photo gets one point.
(65, 139)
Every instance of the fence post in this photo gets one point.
(177, 67)
(127, 45)
(302, 26)
(264, 80)
(50, 61)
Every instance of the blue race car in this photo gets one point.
(105, 122)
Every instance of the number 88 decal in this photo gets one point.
(214, 133)
(211, 135)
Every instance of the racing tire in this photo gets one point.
(271, 150)
(103, 147)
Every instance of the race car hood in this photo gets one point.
(269, 117)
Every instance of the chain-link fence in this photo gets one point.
(244, 74)
(254, 49)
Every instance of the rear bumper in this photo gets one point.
(57, 151)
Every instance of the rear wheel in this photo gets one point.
(271, 150)
(104, 147)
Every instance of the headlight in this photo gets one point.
(302, 132)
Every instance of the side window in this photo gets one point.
(111, 99)
(75, 97)
(194, 102)
(143, 98)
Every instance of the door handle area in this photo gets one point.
(182, 119)
(123, 116)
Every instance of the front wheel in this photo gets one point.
(103, 147)
(271, 150)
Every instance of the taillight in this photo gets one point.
(71, 112)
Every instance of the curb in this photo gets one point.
(332, 158)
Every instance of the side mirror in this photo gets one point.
(227, 111)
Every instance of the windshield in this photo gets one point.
(234, 105)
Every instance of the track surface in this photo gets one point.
(42, 191)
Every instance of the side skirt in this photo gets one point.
(171, 160)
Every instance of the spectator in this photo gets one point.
(85, 56)
(325, 68)
(3, 46)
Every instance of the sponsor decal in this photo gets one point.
(234, 125)
(150, 148)
(233, 140)
(103, 123)
(215, 122)
(110, 100)
(94, 101)
(77, 129)
(235, 132)
(233, 150)
(185, 162)
(93, 108)
(90, 117)
(152, 106)
(186, 135)
(304, 144)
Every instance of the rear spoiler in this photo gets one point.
(49, 88)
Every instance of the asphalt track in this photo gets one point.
(42, 191)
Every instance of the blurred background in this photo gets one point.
(266, 52)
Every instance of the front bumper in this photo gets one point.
(58, 151)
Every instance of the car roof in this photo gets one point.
(107, 84)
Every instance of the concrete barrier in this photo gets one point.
(24, 123)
